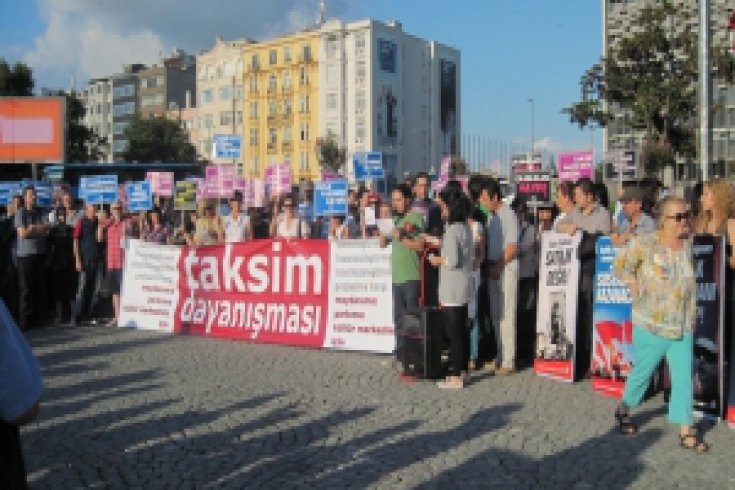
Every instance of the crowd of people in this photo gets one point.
(482, 250)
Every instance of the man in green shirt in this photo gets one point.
(407, 242)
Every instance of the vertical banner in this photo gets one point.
(708, 340)
(269, 291)
(361, 297)
(150, 287)
(557, 306)
(612, 317)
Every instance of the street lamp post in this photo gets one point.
(532, 101)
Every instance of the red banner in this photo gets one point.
(260, 291)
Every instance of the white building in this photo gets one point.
(382, 89)
(97, 100)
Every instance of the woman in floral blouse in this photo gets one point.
(659, 272)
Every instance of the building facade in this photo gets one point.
(366, 84)
(97, 101)
(281, 109)
(618, 19)
(220, 93)
(168, 85)
(125, 105)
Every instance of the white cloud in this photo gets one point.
(547, 143)
(91, 38)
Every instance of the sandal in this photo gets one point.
(693, 442)
(625, 425)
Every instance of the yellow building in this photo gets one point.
(281, 105)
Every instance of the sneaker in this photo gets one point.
(505, 371)
(450, 385)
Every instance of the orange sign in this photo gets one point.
(32, 129)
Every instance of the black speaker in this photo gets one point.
(425, 348)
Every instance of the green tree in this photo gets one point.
(16, 80)
(157, 139)
(652, 74)
(330, 155)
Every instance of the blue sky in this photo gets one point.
(512, 50)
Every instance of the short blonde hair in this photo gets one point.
(664, 206)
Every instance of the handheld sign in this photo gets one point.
(330, 198)
(139, 196)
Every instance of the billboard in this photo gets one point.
(448, 106)
(32, 129)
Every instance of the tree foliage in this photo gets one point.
(16, 80)
(83, 144)
(157, 139)
(330, 155)
(652, 74)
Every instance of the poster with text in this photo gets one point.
(361, 297)
(709, 268)
(612, 334)
(574, 165)
(557, 306)
(150, 287)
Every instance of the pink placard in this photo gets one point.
(278, 179)
(219, 181)
(162, 183)
(575, 165)
(253, 195)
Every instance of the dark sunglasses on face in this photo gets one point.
(679, 217)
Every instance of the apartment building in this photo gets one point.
(367, 84)
(97, 100)
(171, 84)
(220, 93)
(125, 105)
(281, 104)
(618, 21)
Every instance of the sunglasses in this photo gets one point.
(679, 217)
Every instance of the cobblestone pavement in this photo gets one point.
(127, 409)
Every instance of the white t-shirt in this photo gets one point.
(295, 229)
(236, 230)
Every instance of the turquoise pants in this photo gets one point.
(649, 350)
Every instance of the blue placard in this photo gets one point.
(226, 145)
(139, 196)
(98, 189)
(330, 198)
(8, 190)
(44, 192)
(368, 165)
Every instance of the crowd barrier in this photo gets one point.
(309, 293)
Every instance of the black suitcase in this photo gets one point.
(425, 348)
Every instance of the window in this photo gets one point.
(207, 147)
(273, 57)
(124, 91)
(207, 96)
(272, 137)
(255, 62)
(119, 127)
(287, 107)
(287, 134)
(272, 83)
(238, 92)
(306, 53)
(360, 40)
(287, 159)
(99, 108)
(360, 69)
(253, 136)
(253, 165)
(272, 109)
(331, 101)
(304, 132)
(119, 146)
(123, 109)
(287, 55)
(208, 120)
(287, 81)
(225, 92)
(225, 118)
(332, 48)
(304, 160)
(304, 104)
(303, 75)
(151, 100)
(331, 74)
(359, 131)
(253, 110)
(360, 104)
(239, 117)
(253, 83)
